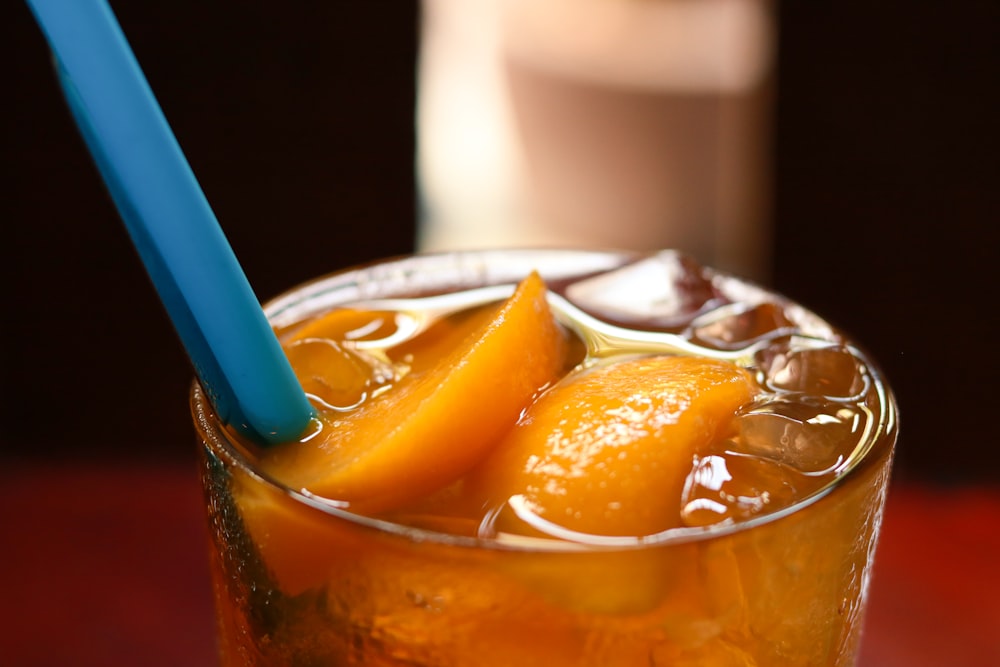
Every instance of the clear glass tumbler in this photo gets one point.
(300, 581)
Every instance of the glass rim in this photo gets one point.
(213, 434)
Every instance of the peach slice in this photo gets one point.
(433, 425)
(607, 452)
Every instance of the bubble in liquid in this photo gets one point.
(814, 437)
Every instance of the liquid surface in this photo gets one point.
(414, 432)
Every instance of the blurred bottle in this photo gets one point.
(618, 123)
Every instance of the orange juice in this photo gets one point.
(553, 458)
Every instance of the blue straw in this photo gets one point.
(236, 355)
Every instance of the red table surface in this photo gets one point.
(107, 566)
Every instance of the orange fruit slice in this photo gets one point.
(607, 452)
(433, 425)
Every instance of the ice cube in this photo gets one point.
(666, 290)
(816, 368)
(735, 326)
(734, 487)
(815, 437)
(335, 375)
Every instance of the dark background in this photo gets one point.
(298, 120)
